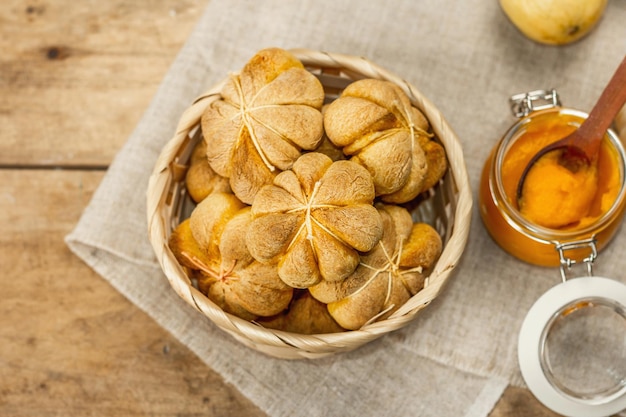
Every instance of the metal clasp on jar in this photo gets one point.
(525, 103)
(567, 263)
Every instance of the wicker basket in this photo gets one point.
(447, 208)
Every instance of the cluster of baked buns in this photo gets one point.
(301, 220)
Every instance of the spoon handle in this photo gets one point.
(607, 107)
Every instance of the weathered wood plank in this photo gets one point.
(70, 345)
(520, 402)
(76, 76)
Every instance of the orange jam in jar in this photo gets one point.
(568, 208)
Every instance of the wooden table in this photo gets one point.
(75, 78)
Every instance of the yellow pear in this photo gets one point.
(554, 22)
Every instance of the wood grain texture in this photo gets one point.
(70, 345)
(520, 402)
(75, 78)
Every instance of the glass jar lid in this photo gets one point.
(572, 347)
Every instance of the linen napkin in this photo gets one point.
(460, 353)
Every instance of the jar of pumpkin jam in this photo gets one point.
(569, 215)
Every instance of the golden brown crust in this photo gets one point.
(184, 246)
(314, 220)
(387, 276)
(266, 116)
(209, 218)
(200, 179)
(419, 254)
(436, 160)
(228, 274)
(305, 315)
(375, 123)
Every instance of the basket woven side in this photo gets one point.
(450, 208)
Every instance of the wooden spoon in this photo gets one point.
(580, 147)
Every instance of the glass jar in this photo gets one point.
(572, 342)
(572, 347)
(540, 112)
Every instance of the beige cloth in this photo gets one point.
(459, 355)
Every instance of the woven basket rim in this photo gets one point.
(279, 343)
